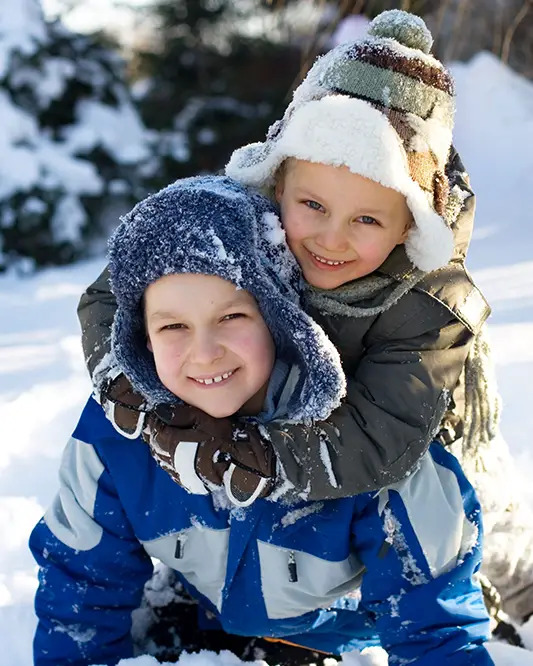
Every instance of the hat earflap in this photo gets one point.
(430, 243)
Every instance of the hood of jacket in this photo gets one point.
(216, 226)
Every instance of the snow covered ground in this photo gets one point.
(43, 383)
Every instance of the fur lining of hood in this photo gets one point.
(216, 226)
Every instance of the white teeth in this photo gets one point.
(327, 261)
(216, 379)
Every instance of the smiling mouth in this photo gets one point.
(330, 263)
(214, 379)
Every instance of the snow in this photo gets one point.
(43, 382)
(275, 233)
(61, 142)
(395, 536)
(325, 458)
(29, 158)
(295, 515)
(495, 118)
(48, 82)
(118, 130)
(68, 218)
(21, 29)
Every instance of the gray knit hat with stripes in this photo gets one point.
(383, 107)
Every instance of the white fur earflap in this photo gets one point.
(430, 242)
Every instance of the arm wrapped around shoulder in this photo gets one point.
(96, 311)
(414, 354)
(397, 397)
(195, 449)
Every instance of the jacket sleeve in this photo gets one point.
(96, 311)
(396, 398)
(421, 544)
(92, 569)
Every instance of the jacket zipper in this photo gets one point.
(293, 571)
(178, 552)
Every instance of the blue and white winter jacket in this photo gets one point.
(394, 567)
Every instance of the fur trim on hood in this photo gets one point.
(215, 226)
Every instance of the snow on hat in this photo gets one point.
(214, 225)
(383, 107)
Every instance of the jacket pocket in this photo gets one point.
(200, 555)
(295, 582)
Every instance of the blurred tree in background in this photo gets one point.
(207, 85)
(462, 28)
(72, 146)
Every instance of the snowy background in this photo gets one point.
(43, 383)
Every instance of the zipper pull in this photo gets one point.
(293, 571)
(178, 552)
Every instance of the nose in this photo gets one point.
(205, 349)
(333, 237)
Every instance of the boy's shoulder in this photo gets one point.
(93, 425)
(455, 289)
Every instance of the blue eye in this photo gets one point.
(367, 219)
(313, 205)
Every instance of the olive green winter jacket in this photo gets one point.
(404, 368)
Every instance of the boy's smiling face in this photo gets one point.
(211, 345)
(339, 225)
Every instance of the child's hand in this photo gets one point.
(198, 450)
(195, 449)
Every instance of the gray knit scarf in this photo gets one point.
(372, 295)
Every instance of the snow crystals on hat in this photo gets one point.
(383, 107)
(216, 226)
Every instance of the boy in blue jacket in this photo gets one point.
(209, 312)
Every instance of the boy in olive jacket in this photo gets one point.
(378, 211)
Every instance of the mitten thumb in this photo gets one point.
(178, 460)
(244, 487)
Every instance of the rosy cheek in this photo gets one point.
(168, 351)
(294, 223)
(243, 342)
(247, 343)
(372, 249)
(174, 352)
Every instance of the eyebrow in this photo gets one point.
(162, 314)
(237, 301)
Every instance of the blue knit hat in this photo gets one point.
(216, 226)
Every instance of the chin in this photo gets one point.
(218, 411)
(327, 283)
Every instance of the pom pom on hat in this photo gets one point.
(405, 28)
